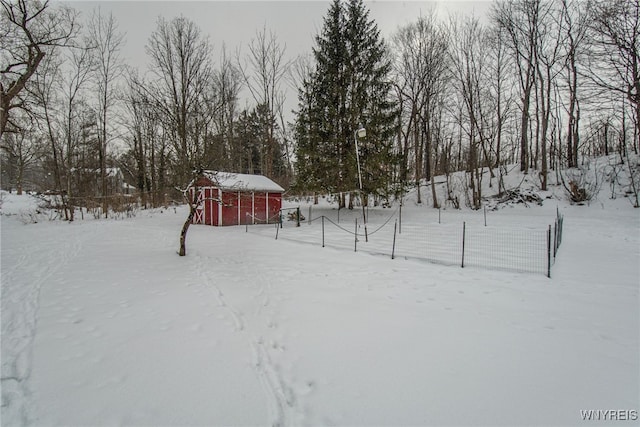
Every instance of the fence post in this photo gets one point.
(438, 215)
(323, 231)
(549, 252)
(355, 245)
(560, 227)
(555, 238)
(464, 232)
(393, 249)
(484, 208)
(309, 214)
(277, 229)
(400, 217)
(366, 235)
(298, 216)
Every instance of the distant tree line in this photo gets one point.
(541, 84)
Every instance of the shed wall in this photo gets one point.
(237, 207)
(229, 209)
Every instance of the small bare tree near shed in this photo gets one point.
(191, 196)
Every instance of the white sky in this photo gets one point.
(235, 23)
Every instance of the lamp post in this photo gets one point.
(361, 133)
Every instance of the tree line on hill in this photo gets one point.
(540, 83)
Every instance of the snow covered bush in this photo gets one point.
(581, 184)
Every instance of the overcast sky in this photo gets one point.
(235, 23)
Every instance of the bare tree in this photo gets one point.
(520, 19)
(547, 61)
(146, 160)
(469, 62)
(23, 147)
(574, 24)
(181, 65)
(191, 195)
(29, 30)
(75, 81)
(422, 71)
(106, 42)
(227, 83)
(263, 71)
(500, 86)
(137, 106)
(615, 59)
(45, 90)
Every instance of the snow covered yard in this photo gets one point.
(103, 324)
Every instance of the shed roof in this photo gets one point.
(241, 181)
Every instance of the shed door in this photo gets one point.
(198, 218)
(209, 206)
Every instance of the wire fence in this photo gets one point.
(520, 249)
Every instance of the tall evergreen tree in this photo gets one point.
(350, 87)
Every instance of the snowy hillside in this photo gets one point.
(104, 324)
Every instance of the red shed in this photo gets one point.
(235, 198)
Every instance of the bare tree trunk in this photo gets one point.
(431, 148)
(434, 194)
(266, 57)
(572, 126)
(419, 153)
(180, 58)
(107, 41)
(185, 227)
(191, 195)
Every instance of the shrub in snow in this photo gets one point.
(292, 216)
(34, 216)
(581, 184)
(514, 197)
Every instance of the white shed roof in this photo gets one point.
(241, 181)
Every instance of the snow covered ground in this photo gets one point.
(104, 324)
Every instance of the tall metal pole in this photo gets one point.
(355, 138)
(364, 217)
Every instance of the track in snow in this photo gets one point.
(259, 328)
(24, 272)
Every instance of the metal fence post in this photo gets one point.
(298, 216)
(309, 214)
(393, 249)
(555, 238)
(355, 244)
(485, 215)
(464, 229)
(549, 252)
(400, 216)
(560, 227)
(323, 231)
